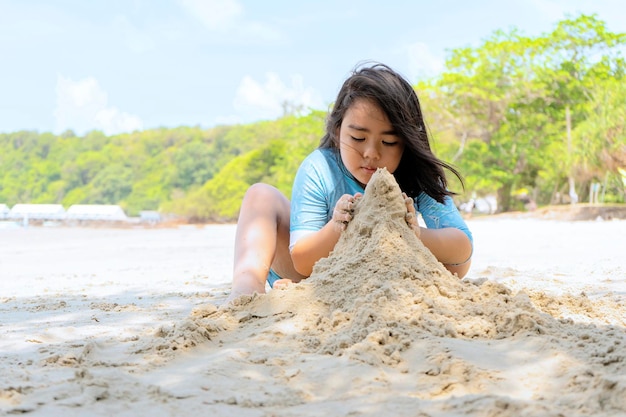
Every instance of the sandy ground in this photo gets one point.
(104, 322)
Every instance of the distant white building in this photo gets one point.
(37, 212)
(107, 212)
(149, 216)
(4, 211)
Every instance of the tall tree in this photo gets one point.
(486, 89)
(578, 56)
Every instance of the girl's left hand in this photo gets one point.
(411, 215)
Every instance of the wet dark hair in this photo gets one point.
(419, 170)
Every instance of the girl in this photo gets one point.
(376, 122)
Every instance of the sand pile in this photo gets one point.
(382, 285)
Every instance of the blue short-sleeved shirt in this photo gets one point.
(322, 179)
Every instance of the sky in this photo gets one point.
(125, 65)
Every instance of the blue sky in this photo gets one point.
(122, 65)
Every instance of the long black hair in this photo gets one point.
(419, 170)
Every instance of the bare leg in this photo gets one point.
(261, 241)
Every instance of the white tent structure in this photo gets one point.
(4, 211)
(105, 212)
(37, 212)
(149, 216)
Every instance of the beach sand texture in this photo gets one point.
(381, 328)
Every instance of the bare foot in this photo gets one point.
(245, 284)
(236, 293)
(281, 284)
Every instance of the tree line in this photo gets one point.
(542, 116)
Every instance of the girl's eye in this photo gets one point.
(390, 143)
(357, 139)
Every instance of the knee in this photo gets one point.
(264, 196)
(264, 200)
(261, 192)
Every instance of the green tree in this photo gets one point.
(578, 56)
(599, 140)
(486, 89)
(513, 93)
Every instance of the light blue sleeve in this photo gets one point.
(309, 198)
(318, 185)
(439, 216)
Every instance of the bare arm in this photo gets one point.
(311, 248)
(450, 246)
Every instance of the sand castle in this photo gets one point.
(381, 282)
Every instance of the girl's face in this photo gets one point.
(367, 141)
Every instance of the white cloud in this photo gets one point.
(83, 105)
(423, 63)
(214, 14)
(227, 17)
(267, 100)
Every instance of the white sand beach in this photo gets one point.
(124, 322)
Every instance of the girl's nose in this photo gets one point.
(371, 152)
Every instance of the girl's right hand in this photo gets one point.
(344, 209)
